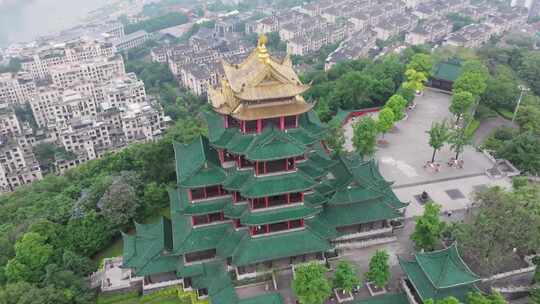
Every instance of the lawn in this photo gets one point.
(171, 295)
(505, 113)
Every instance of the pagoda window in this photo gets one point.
(225, 156)
(277, 200)
(276, 122)
(231, 122)
(291, 122)
(296, 224)
(237, 197)
(242, 162)
(296, 197)
(206, 192)
(197, 220)
(249, 126)
(258, 203)
(238, 224)
(273, 166)
(276, 227)
(200, 255)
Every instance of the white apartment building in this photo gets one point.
(133, 40)
(16, 89)
(122, 91)
(97, 70)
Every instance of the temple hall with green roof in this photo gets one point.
(260, 192)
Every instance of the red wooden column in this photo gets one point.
(282, 123)
(296, 121)
(259, 125)
(225, 121)
(222, 155)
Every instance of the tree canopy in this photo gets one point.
(438, 135)
(428, 228)
(379, 269)
(345, 276)
(310, 284)
(365, 133)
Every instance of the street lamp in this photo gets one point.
(522, 88)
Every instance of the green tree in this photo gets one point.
(80, 265)
(479, 298)
(483, 242)
(535, 296)
(345, 276)
(335, 138)
(415, 80)
(88, 234)
(310, 284)
(528, 118)
(379, 269)
(530, 71)
(31, 256)
(523, 151)
(502, 90)
(448, 300)
(397, 104)
(438, 135)
(365, 133)
(119, 203)
(422, 63)
(461, 102)
(385, 121)
(428, 228)
(458, 138)
(474, 83)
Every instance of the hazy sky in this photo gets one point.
(23, 20)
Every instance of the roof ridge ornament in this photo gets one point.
(262, 51)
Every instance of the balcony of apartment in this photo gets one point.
(156, 282)
(364, 231)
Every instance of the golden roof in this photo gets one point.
(262, 81)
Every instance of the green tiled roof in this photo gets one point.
(203, 238)
(439, 274)
(230, 240)
(445, 268)
(206, 206)
(191, 270)
(235, 210)
(358, 213)
(236, 179)
(427, 291)
(273, 144)
(448, 71)
(353, 195)
(264, 248)
(197, 164)
(314, 199)
(318, 225)
(149, 247)
(267, 298)
(277, 215)
(276, 184)
(391, 298)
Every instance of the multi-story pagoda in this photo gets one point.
(261, 192)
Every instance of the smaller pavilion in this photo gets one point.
(437, 275)
(445, 74)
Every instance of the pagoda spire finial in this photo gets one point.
(261, 48)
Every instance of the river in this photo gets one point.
(24, 20)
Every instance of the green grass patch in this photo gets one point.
(121, 298)
(172, 295)
(472, 127)
(507, 114)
